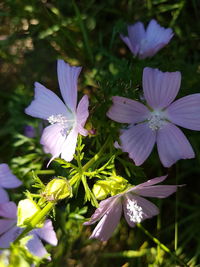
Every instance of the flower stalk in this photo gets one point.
(37, 219)
(162, 246)
(74, 179)
(46, 210)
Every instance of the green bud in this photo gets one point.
(111, 186)
(117, 185)
(26, 210)
(57, 189)
(119, 179)
(100, 191)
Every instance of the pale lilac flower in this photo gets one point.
(154, 123)
(147, 43)
(9, 231)
(136, 208)
(7, 180)
(67, 120)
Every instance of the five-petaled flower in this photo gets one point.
(147, 43)
(154, 123)
(9, 231)
(7, 180)
(67, 120)
(136, 208)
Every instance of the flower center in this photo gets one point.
(156, 120)
(57, 119)
(135, 212)
(66, 123)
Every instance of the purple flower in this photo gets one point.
(29, 131)
(67, 120)
(154, 123)
(136, 208)
(147, 43)
(9, 231)
(7, 180)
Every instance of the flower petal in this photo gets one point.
(69, 146)
(160, 88)
(157, 33)
(159, 191)
(134, 48)
(47, 233)
(125, 110)
(36, 247)
(8, 210)
(138, 141)
(53, 139)
(185, 112)
(68, 80)
(82, 115)
(46, 104)
(149, 182)
(3, 196)
(104, 207)
(5, 225)
(173, 145)
(9, 236)
(136, 33)
(108, 223)
(157, 37)
(7, 179)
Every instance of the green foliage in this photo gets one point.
(19, 256)
(33, 35)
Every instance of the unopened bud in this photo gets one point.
(57, 189)
(117, 185)
(100, 191)
(26, 210)
(111, 186)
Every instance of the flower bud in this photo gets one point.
(111, 186)
(57, 189)
(100, 191)
(26, 210)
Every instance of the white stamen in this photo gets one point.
(63, 121)
(57, 119)
(135, 212)
(156, 120)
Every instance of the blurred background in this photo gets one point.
(33, 35)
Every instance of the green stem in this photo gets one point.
(125, 254)
(37, 219)
(41, 214)
(84, 31)
(44, 172)
(149, 5)
(79, 162)
(158, 256)
(90, 162)
(176, 213)
(161, 245)
(97, 156)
